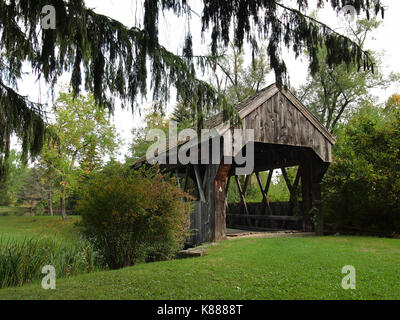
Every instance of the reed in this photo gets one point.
(22, 261)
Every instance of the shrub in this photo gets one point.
(362, 186)
(134, 216)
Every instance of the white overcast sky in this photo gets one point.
(172, 31)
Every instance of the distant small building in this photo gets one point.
(285, 134)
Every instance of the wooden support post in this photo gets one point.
(226, 193)
(205, 178)
(297, 180)
(319, 169)
(221, 187)
(228, 181)
(242, 197)
(317, 203)
(288, 183)
(267, 207)
(292, 188)
(246, 184)
(306, 195)
(199, 183)
(186, 178)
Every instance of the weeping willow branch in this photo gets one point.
(256, 21)
(110, 60)
(24, 118)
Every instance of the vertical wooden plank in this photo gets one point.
(267, 207)
(246, 184)
(243, 199)
(220, 209)
(216, 217)
(199, 183)
(186, 177)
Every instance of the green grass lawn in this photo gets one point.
(18, 227)
(284, 268)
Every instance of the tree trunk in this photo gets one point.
(32, 214)
(62, 205)
(51, 204)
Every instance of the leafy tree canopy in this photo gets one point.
(237, 80)
(84, 139)
(333, 94)
(12, 184)
(393, 103)
(362, 186)
(111, 60)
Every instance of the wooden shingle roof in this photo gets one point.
(277, 117)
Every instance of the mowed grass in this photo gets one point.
(11, 210)
(284, 268)
(27, 244)
(19, 228)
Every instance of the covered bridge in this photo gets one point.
(285, 134)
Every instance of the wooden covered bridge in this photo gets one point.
(286, 135)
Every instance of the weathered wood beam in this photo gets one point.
(199, 183)
(246, 184)
(227, 185)
(205, 178)
(242, 197)
(256, 228)
(226, 193)
(292, 188)
(263, 217)
(288, 183)
(264, 191)
(297, 180)
(265, 199)
(262, 168)
(220, 187)
(186, 178)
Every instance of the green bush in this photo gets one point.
(134, 216)
(362, 186)
(22, 261)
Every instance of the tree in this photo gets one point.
(332, 94)
(139, 144)
(393, 103)
(12, 184)
(236, 80)
(84, 139)
(362, 185)
(34, 189)
(182, 116)
(112, 60)
(231, 78)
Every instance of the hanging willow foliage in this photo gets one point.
(22, 117)
(276, 23)
(111, 60)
